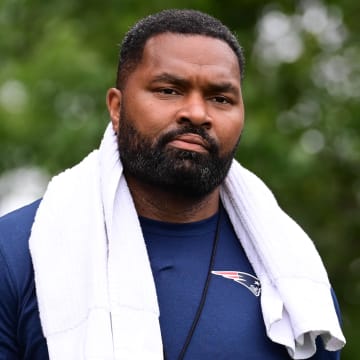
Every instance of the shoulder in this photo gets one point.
(17, 221)
(15, 229)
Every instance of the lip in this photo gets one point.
(190, 142)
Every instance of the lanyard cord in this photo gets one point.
(204, 292)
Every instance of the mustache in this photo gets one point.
(189, 129)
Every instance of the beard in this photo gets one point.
(151, 161)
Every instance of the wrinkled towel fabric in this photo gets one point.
(95, 289)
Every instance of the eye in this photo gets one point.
(167, 91)
(221, 100)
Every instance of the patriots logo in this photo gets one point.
(249, 281)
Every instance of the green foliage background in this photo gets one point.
(58, 58)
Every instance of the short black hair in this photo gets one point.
(184, 21)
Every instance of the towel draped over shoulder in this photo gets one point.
(86, 240)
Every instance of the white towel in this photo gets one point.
(296, 295)
(94, 284)
(95, 289)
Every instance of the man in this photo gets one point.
(159, 245)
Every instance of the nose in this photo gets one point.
(194, 110)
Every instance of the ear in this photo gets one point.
(113, 102)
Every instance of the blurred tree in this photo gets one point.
(301, 91)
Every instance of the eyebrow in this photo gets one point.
(221, 87)
(170, 78)
(225, 87)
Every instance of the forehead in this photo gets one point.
(190, 53)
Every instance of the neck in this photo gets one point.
(155, 203)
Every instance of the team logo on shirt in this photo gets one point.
(251, 282)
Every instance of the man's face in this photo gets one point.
(181, 114)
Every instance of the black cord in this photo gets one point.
(204, 292)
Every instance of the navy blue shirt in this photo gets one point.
(20, 331)
(230, 326)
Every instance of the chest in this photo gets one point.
(230, 325)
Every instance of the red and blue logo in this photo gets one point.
(251, 282)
